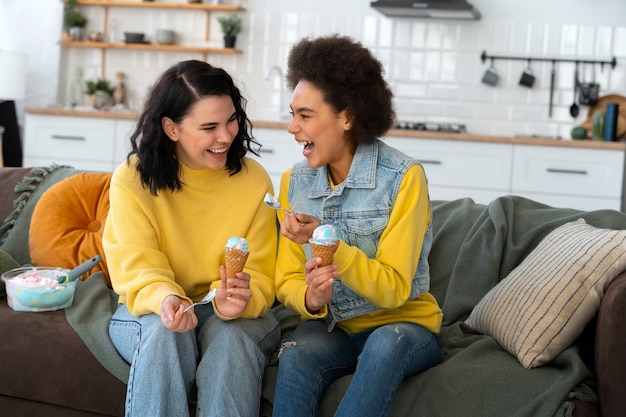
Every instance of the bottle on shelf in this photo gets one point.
(76, 89)
(119, 93)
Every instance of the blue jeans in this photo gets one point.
(224, 360)
(380, 359)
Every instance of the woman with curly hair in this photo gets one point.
(369, 313)
(174, 204)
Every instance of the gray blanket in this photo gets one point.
(475, 246)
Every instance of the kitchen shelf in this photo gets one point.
(104, 46)
(158, 5)
(150, 46)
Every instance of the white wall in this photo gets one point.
(433, 66)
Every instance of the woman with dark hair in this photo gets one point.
(369, 313)
(185, 189)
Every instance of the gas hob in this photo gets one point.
(432, 127)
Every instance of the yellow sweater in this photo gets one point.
(384, 280)
(173, 243)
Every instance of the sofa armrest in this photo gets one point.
(610, 348)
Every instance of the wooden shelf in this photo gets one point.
(150, 46)
(158, 5)
(104, 46)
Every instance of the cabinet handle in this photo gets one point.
(262, 150)
(66, 137)
(429, 162)
(567, 171)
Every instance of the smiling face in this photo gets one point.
(321, 131)
(205, 134)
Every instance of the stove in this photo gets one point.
(432, 127)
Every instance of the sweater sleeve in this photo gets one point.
(385, 280)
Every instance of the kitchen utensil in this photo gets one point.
(165, 37)
(552, 77)
(272, 201)
(528, 78)
(573, 109)
(491, 75)
(79, 270)
(206, 300)
(134, 37)
(589, 91)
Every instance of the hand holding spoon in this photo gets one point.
(207, 299)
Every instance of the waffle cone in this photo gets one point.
(235, 260)
(326, 252)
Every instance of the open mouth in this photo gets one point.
(218, 153)
(307, 147)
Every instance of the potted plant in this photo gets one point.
(231, 26)
(73, 20)
(99, 93)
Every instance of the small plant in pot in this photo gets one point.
(231, 26)
(74, 21)
(99, 93)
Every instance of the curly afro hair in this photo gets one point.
(350, 78)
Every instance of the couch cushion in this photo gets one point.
(543, 305)
(67, 223)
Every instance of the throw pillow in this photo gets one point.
(14, 230)
(543, 305)
(67, 224)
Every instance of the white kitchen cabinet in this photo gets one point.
(279, 151)
(589, 179)
(123, 130)
(481, 171)
(89, 143)
(581, 176)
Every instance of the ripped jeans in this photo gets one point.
(380, 358)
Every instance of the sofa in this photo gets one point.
(61, 363)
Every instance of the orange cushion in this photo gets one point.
(68, 221)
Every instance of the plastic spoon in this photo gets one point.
(207, 299)
(79, 270)
(272, 201)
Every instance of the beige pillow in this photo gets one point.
(543, 305)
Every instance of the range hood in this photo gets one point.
(433, 9)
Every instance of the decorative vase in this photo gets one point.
(229, 41)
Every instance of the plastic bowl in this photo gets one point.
(36, 289)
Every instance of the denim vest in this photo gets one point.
(359, 208)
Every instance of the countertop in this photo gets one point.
(409, 134)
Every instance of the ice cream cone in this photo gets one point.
(326, 252)
(235, 260)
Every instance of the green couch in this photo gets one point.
(62, 363)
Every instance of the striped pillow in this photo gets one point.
(543, 305)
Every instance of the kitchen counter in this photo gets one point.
(399, 133)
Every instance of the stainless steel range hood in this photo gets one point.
(433, 9)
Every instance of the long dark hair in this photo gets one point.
(173, 95)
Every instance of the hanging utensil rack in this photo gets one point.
(613, 62)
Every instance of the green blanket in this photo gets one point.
(475, 246)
